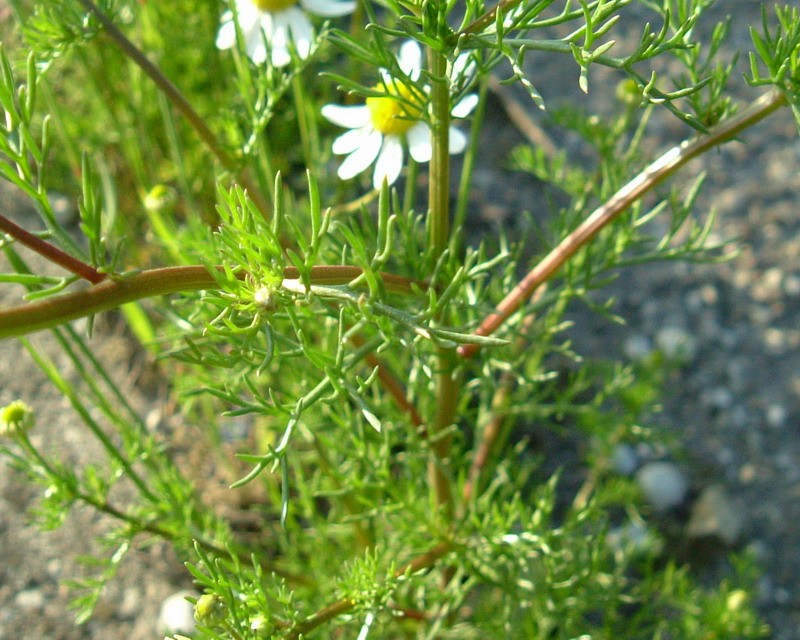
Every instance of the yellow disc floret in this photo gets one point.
(394, 115)
(273, 5)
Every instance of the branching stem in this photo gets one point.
(179, 101)
(646, 181)
(480, 23)
(344, 605)
(51, 252)
(136, 524)
(115, 291)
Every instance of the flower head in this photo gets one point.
(276, 23)
(15, 418)
(210, 610)
(381, 128)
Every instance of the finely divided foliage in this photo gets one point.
(345, 352)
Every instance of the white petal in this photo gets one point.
(249, 21)
(465, 106)
(389, 163)
(247, 11)
(254, 40)
(351, 140)
(362, 157)
(410, 59)
(457, 141)
(419, 142)
(300, 30)
(387, 77)
(348, 117)
(278, 39)
(248, 15)
(328, 8)
(464, 67)
(226, 36)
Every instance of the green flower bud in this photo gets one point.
(261, 626)
(159, 198)
(736, 600)
(628, 92)
(210, 610)
(15, 418)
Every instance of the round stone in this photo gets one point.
(177, 614)
(663, 484)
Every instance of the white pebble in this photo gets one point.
(29, 599)
(637, 347)
(663, 484)
(624, 459)
(675, 342)
(177, 614)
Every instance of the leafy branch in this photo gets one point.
(646, 181)
(129, 287)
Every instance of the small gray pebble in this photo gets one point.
(719, 398)
(776, 415)
(663, 484)
(64, 208)
(632, 536)
(637, 347)
(714, 514)
(675, 342)
(624, 459)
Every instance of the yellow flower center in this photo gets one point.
(392, 115)
(273, 5)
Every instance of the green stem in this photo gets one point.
(439, 194)
(163, 83)
(439, 236)
(138, 524)
(423, 561)
(179, 101)
(309, 136)
(469, 159)
(51, 371)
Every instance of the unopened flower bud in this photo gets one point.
(261, 626)
(265, 299)
(628, 92)
(159, 198)
(210, 610)
(15, 418)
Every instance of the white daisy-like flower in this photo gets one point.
(381, 128)
(276, 23)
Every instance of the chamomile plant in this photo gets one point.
(392, 120)
(356, 365)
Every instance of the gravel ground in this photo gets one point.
(733, 405)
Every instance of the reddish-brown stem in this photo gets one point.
(392, 385)
(480, 23)
(648, 179)
(115, 291)
(51, 252)
(493, 426)
(344, 605)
